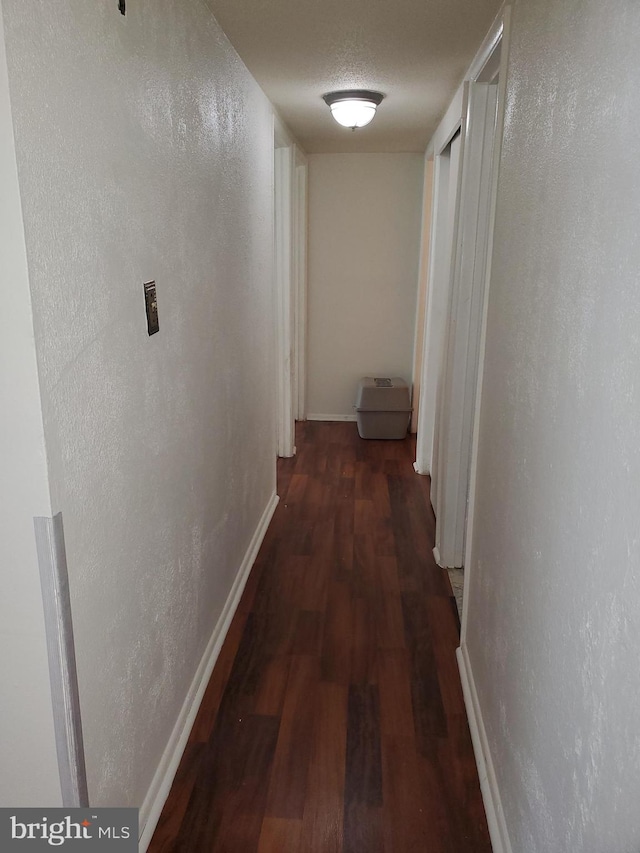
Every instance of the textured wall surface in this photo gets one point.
(554, 608)
(364, 246)
(27, 749)
(145, 151)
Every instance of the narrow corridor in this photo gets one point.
(334, 720)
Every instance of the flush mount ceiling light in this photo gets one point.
(353, 107)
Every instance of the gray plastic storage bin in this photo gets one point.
(382, 407)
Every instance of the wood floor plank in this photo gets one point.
(384, 542)
(428, 710)
(362, 576)
(460, 787)
(363, 780)
(364, 653)
(387, 581)
(272, 686)
(413, 818)
(206, 717)
(307, 639)
(363, 829)
(227, 802)
(288, 787)
(322, 823)
(279, 835)
(394, 686)
(363, 516)
(390, 622)
(344, 511)
(248, 773)
(338, 633)
(293, 499)
(168, 828)
(443, 630)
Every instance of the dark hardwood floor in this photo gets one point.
(334, 720)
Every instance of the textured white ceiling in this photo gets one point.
(414, 51)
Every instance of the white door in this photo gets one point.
(457, 388)
(446, 174)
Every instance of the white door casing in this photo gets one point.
(290, 239)
(300, 290)
(442, 308)
(439, 277)
(285, 317)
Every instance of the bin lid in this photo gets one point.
(383, 394)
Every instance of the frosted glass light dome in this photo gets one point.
(354, 107)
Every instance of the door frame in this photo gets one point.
(290, 285)
(438, 250)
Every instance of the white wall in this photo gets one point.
(364, 245)
(145, 150)
(554, 597)
(27, 743)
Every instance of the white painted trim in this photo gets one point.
(425, 242)
(442, 271)
(428, 174)
(490, 43)
(488, 782)
(301, 158)
(440, 251)
(283, 138)
(449, 125)
(161, 784)
(300, 285)
(316, 417)
(61, 653)
(285, 299)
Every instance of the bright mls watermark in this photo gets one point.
(69, 829)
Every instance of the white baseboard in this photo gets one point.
(161, 785)
(315, 417)
(488, 783)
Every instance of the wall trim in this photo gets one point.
(490, 43)
(300, 284)
(488, 782)
(285, 298)
(63, 676)
(437, 556)
(161, 784)
(317, 417)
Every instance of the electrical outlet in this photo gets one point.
(151, 305)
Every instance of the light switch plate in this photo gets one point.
(151, 304)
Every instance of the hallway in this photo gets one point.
(334, 718)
